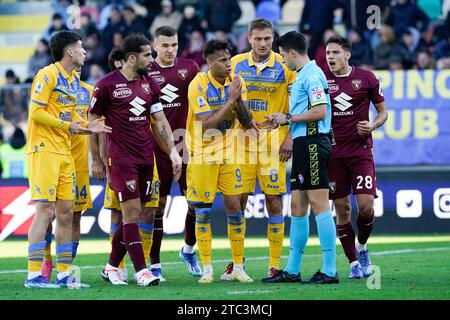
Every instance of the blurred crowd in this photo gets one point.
(409, 34)
(406, 34)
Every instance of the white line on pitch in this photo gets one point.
(372, 253)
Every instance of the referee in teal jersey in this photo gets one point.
(310, 121)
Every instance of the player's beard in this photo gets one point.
(142, 71)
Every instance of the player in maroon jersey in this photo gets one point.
(351, 167)
(127, 97)
(173, 76)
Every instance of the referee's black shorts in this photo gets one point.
(310, 162)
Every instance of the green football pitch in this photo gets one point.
(406, 267)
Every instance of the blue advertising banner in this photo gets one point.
(418, 129)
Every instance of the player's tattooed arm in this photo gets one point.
(164, 135)
(159, 139)
(243, 114)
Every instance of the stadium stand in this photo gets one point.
(270, 10)
(21, 26)
(248, 13)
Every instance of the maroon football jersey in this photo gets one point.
(174, 82)
(350, 99)
(127, 106)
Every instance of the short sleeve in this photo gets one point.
(195, 68)
(155, 104)
(100, 100)
(375, 92)
(315, 90)
(42, 88)
(197, 99)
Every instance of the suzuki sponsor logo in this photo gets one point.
(342, 101)
(169, 94)
(138, 106)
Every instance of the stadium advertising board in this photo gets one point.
(417, 131)
(403, 206)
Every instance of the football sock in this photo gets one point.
(63, 256)
(74, 249)
(203, 234)
(146, 232)
(327, 236)
(158, 233)
(275, 235)
(365, 226)
(188, 249)
(155, 266)
(133, 244)
(346, 236)
(112, 231)
(48, 247)
(236, 234)
(35, 258)
(189, 228)
(299, 234)
(118, 249)
(361, 247)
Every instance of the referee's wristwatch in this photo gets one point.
(288, 119)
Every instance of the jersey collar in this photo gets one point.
(306, 66)
(217, 84)
(269, 64)
(64, 72)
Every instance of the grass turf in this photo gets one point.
(409, 268)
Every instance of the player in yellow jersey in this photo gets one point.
(216, 103)
(83, 201)
(52, 120)
(268, 82)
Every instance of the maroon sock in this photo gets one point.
(158, 233)
(133, 242)
(118, 249)
(365, 226)
(189, 228)
(347, 237)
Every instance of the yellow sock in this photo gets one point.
(203, 234)
(236, 234)
(146, 231)
(35, 256)
(63, 256)
(275, 235)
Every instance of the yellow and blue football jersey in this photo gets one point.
(267, 92)
(207, 96)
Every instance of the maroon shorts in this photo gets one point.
(131, 181)
(351, 174)
(165, 173)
